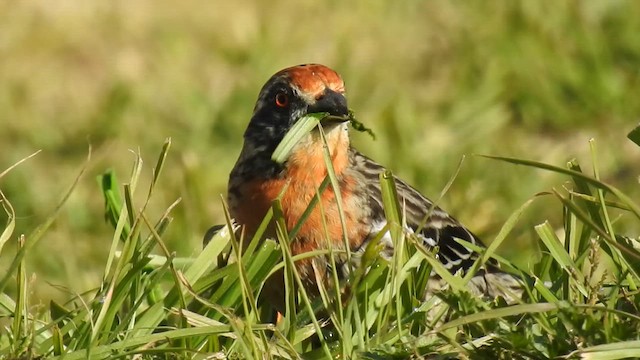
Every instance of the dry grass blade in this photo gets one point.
(11, 220)
(2, 174)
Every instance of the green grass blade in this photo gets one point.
(627, 251)
(499, 239)
(157, 170)
(499, 313)
(205, 261)
(555, 247)
(634, 135)
(347, 346)
(617, 350)
(560, 254)
(300, 129)
(109, 186)
(20, 313)
(105, 351)
(625, 199)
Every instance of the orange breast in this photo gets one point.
(304, 173)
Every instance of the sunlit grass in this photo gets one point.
(152, 303)
(433, 80)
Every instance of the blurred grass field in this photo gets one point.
(434, 80)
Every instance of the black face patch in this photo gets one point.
(277, 109)
(280, 105)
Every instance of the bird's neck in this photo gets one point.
(295, 182)
(308, 159)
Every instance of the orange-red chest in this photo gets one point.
(304, 173)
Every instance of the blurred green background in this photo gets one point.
(435, 80)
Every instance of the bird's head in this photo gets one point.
(291, 94)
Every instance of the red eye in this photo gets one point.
(282, 100)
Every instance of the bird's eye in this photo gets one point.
(282, 100)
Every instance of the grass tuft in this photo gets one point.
(581, 296)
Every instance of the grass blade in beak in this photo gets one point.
(328, 119)
(300, 129)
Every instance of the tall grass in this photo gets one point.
(434, 80)
(581, 297)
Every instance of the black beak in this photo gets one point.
(331, 102)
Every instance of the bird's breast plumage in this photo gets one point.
(296, 186)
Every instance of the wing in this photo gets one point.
(429, 223)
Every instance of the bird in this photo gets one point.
(256, 180)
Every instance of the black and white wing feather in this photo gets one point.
(429, 223)
(438, 229)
